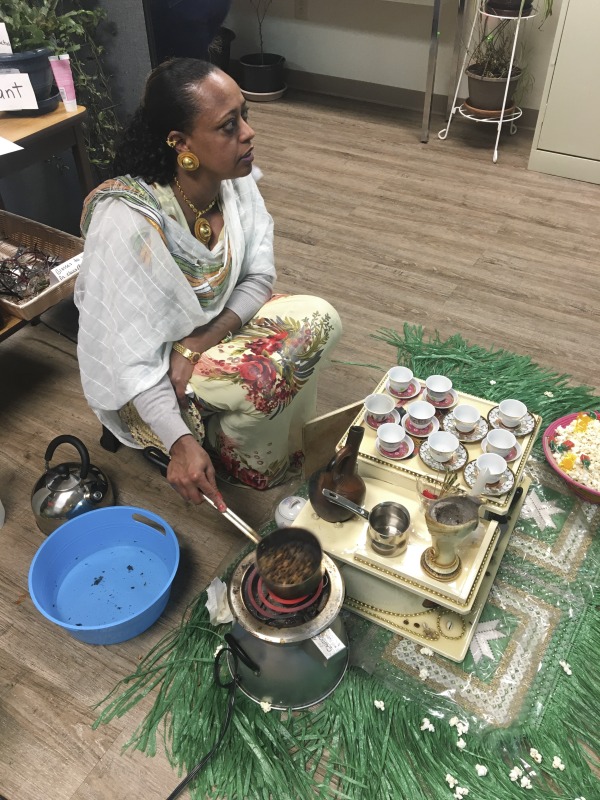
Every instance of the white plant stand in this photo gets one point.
(505, 116)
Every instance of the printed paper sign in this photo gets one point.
(6, 146)
(4, 39)
(65, 270)
(16, 91)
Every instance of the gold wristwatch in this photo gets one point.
(187, 353)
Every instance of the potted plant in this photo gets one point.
(39, 28)
(490, 60)
(514, 8)
(487, 74)
(262, 73)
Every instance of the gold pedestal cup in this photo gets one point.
(449, 520)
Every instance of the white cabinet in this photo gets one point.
(566, 140)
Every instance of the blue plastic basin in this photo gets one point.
(105, 576)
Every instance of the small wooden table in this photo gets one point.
(45, 136)
(11, 325)
(42, 137)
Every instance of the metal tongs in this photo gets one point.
(162, 460)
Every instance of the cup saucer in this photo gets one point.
(476, 435)
(525, 426)
(449, 400)
(405, 449)
(502, 486)
(458, 460)
(412, 390)
(515, 453)
(393, 416)
(420, 433)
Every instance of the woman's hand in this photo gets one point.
(199, 341)
(192, 474)
(180, 372)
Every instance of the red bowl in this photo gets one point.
(584, 492)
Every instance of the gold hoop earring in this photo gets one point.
(188, 161)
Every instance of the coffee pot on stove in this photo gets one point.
(287, 654)
(67, 490)
(339, 476)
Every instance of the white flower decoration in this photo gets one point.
(451, 781)
(426, 725)
(423, 674)
(566, 667)
(462, 727)
(492, 383)
(380, 705)
(536, 755)
(461, 744)
(515, 773)
(453, 721)
(549, 394)
(461, 791)
(557, 763)
(525, 782)
(481, 770)
(426, 651)
(266, 707)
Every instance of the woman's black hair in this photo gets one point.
(169, 104)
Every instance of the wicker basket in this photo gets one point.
(28, 233)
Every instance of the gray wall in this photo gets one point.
(127, 57)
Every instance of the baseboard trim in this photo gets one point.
(349, 89)
(394, 96)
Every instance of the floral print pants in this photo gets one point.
(256, 391)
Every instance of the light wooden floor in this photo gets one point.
(389, 230)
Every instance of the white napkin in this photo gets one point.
(479, 483)
(216, 602)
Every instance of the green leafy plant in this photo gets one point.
(548, 8)
(42, 23)
(65, 26)
(491, 56)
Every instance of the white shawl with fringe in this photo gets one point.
(133, 298)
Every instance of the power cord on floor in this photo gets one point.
(231, 686)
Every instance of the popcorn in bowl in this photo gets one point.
(575, 449)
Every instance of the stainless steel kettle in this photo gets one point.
(69, 489)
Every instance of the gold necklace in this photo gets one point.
(202, 229)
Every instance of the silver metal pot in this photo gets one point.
(388, 523)
(69, 489)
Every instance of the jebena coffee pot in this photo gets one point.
(69, 489)
(339, 476)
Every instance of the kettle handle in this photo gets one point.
(77, 444)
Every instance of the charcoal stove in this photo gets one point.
(290, 653)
